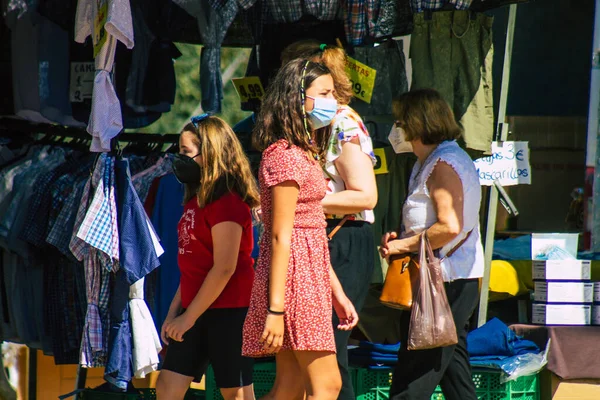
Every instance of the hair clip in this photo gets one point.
(303, 98)
(199, 118)
(323, 46)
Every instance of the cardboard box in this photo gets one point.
(596, 314)
(561, 314)
(564, 292)
(571, 270)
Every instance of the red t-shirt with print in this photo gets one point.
(196, 250)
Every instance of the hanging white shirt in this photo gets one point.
(146, 342)
(105, 119)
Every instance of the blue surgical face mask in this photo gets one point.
(323, 112)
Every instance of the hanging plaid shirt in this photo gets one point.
(369, 18)
(219, 4)
(143, 180)
(92, 342)
(104, 308)
(93, 350)
(422, 5)
(285, 11)
(25, 180)
(99, 227)
(60, 234)
(354, 21)
(36, 224)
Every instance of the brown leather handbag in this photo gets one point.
(402, 277)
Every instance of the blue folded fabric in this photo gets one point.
(369, 361)
(496, 339)
(510, 365)
(518, 248)
(374, 355)
(492, 362)
(365, 352)
(485, 359)
(380, 348)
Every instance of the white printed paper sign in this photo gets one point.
(509, 163)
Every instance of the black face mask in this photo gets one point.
(186, 170)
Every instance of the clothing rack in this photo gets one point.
(9, 126)
(15, 129)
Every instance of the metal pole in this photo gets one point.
(593, 111)
(593, 144)
(32, 372)
(501, 134)
(80, 379)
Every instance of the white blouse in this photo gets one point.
(346, 126)
(419, 214)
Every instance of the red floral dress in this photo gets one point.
(308, 289)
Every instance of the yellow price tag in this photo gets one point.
(362, 78)
(248, 88)
(99, 32)
(381, 166)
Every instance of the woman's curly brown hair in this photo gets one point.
(333, 57)
(281, 115)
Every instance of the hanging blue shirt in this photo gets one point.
(168, 209)
(137, 258)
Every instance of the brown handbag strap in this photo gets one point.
(337, 227)
(453, 250)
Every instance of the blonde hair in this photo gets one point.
(225, 167)
(333, 57)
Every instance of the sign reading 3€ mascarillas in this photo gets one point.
(509, 164)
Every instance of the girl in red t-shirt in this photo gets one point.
(205, 321)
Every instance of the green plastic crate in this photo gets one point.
(142, 394)
(264, 377)
(375, 385)
(372, 384)
(194, 394)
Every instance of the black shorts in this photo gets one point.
(216, 339)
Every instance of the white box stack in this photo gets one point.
(596, 305)
(563, 293)
(562, 270)
(561, 314)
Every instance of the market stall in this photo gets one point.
(60, 58)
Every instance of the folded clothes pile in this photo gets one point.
(493, 345)
(373, 355)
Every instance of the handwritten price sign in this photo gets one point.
(362, 78)
(509, 163)
(248, 88)
(81, 86)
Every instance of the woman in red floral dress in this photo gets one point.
(295, 287)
